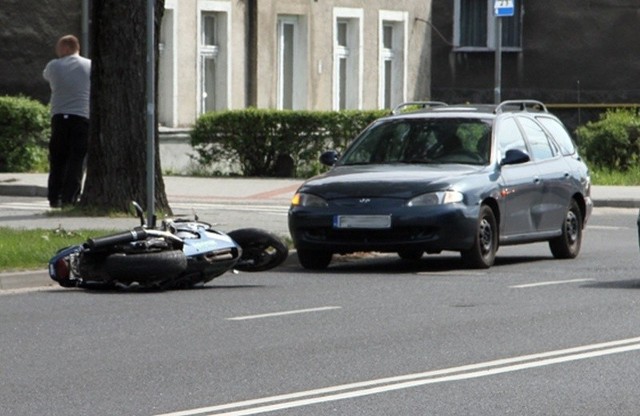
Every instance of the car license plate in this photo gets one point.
(362, 221)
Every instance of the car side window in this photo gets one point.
(541, 149)
(509, 137)
(559, 133)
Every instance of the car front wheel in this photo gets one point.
(314, 260)
(483, 253)
(567, 245)
(410, 254)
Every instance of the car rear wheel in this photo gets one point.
(567, 246)
(483, 253)
(314, 260)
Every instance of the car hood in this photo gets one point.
(389, 181)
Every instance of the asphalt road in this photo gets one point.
(373, 336)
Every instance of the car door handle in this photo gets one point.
(537, 180)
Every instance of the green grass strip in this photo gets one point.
(26, 249)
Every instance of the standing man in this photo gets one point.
(69, 77)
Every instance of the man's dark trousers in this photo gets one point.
(67, 151)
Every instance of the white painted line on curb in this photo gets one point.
(556, 282)
(293, 312)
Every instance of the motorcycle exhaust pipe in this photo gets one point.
(136, 234)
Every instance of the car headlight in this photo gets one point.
(308, 200)
(436, 198)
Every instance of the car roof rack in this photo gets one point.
(420, 104)
(522, 105)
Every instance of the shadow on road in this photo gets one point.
(390, 263)
(618, 284)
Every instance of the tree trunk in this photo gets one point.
(116, 161)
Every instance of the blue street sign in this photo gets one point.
(503, 8)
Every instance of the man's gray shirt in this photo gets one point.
(70, 81)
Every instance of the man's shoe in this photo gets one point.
(55, 204)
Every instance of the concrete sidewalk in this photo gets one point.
(178, 188)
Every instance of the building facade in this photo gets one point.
(575, 55)
(232, 54)
(293, 54)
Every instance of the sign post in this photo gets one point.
(501, 8)
(151, 121)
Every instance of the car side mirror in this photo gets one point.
(329, 158)
(514, 157)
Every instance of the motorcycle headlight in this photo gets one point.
(308, 200)
(436, 198)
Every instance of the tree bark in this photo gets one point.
(116, 160)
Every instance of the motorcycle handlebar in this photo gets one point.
(120, 238)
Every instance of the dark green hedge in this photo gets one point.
(613, 141)
(24, 134)
(275, 142)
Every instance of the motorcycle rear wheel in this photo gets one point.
(261, 250)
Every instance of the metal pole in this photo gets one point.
(498, 61)
(151, 113)
(85, 29)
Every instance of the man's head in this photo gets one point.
(67, 45)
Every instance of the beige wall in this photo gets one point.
(317, 20)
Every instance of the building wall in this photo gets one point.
(258, 85)
(29, 30)
(573, 51)
(319, 71)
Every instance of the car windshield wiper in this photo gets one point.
(358, 163)
(416, 161)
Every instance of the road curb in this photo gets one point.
(25, 280)
(23, 190)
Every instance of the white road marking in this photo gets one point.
(231, 207)
(293, 312)
(555, 282)
(43, 205)
(347, 391)
(606, 227)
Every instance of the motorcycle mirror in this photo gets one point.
(139, 213)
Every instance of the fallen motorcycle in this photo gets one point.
(181, 253)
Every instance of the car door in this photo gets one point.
(554, 174)
(520, 187)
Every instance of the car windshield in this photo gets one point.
(422, 140)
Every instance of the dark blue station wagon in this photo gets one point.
(465, 178)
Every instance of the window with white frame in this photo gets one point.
(214, 60)
(347, 71)
(393, 53)
(167, 68)
(292, 63)
(474, 26)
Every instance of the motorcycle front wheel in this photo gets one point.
(147, 267)
(261, 250)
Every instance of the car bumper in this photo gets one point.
(588, 202)
(432, 229)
